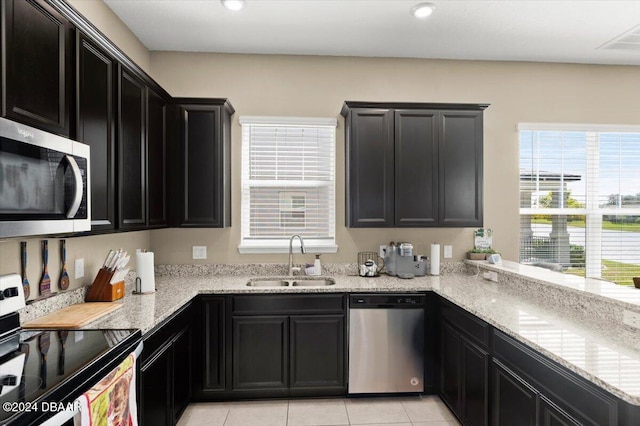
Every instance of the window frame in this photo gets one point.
(593, 213)
(281, 245)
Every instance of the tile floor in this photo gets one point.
(397, 411)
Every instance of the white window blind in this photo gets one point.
(580, 199)
(288, 183)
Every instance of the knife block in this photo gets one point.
(102, 291)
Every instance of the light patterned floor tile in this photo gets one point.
(257, 413)
(317, 412)
(427, 409)
(210, 413)
(373, 411)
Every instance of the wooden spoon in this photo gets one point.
(23, 261)
(45, 281)
(64, 276)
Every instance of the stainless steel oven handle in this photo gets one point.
(79, 191)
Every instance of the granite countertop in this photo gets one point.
(604, 354)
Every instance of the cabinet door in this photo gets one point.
(416, 168)
(450, 365)
(317, 352)
(370, 168)
(460, 168)
(213, 323)
(156, 159)
(514, 401)
(202, 166)
(181, 347)
(37, 65)
(131, 151)
(474, 383)
(155, 390)
(551, 415)
(260, 352)
(96, 127)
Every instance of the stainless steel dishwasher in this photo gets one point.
(386, 343)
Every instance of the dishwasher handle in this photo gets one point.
(386, 301)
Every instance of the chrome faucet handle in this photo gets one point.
(295, 269)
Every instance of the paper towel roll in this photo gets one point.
(435, 259)
(145, 270)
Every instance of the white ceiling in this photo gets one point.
(533, 30)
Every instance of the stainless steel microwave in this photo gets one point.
(44, 182)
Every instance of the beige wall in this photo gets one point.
(110, 24)
(317, 86)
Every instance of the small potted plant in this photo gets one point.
(479, 254)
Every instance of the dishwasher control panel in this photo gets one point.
(381, 301)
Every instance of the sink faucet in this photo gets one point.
(302, 249)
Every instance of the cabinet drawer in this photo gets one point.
(288, 304)
(162, 334)
(473, 327)
(576, 396)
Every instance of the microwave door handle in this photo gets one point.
(78, 191)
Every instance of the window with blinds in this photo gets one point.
(288, 183)
(580, 199)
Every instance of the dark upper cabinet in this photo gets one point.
(131, 151)
(156, 159)
(413, 164)
(204, 195)
(96, 126)
(460, 168)
(416, 167)
(370, 168)
(37, 65)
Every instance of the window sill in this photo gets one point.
(312, 247)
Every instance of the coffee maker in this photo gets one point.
(400, 261)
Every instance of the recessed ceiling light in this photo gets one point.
(422, 10)
(234, 5)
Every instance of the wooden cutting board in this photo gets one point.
(74, 316)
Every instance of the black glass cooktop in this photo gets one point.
(55, 367)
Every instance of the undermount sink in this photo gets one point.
(305, 282)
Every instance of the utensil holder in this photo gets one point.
(365, 256)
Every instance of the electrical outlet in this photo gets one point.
(79, 268)
(199, 252)
(448, 252)
(381, 250)
(631, 318)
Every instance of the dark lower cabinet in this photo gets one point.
(37, 65)
(166, 370)
(96, 127)
(260, 353)
(514, 401)
(465, 376)
(276, 345)
(551, 415)
(155, 382)
(210, 379)
(317, 352)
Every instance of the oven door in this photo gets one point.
(44, 182)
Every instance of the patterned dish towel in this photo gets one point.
(112, 401)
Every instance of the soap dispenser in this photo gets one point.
(317, 267)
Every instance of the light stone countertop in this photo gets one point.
(606, 355)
